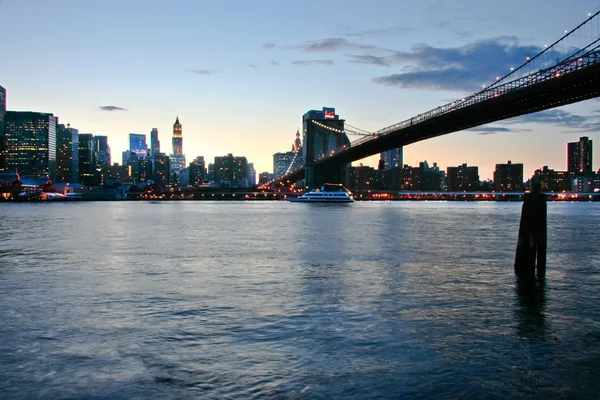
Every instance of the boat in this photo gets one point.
(329, 193)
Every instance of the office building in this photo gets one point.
(145, 173)
(177, 158)
(392, 159)
(137, 144)
(67, 154)
(30, 139)
(282, 162)
(508, 177)
(154, 142)
(579, 156)
(87, 161)
(102, 152)
(197, 171)
(2, 138)
(162, 169)
(553, 181)
(116, 175)
(251, 174)
(264, 177)
(462, 178)
(363, 178)
(231, 171)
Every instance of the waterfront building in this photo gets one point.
(116, 175)
(2, 137)
(102, 152)
(553, 181)
(282, 162)
(162, 169)
(184, 176)
(251, 174)
(137, 144)
(177, 158)
(462, 178)
(197, 171)
(154, 142)
(263, 177)
(145, 173)
(30, 143)
(508, 177)
(231, 171)
(392, 159)
(210, 172)
(131, 159)
(363, 178)
(87, 161)
(579, 156)
(67, 154)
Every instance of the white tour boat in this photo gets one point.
(330, 193)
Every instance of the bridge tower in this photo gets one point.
(323, 134)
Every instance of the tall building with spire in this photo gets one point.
(177, 158)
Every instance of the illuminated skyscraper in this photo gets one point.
(2, 138)
(67, 154)
(102, 152)
(392, 158)
(137, 144)
(579, 156)
(30, 143)
(87, 160)
(177, 158)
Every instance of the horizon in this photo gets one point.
(368, 65)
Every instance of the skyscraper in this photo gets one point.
(87, 161)
(154, 142)
(177, 158)
(2, 138)
(282, 162)
(102, 152)
(30, 143)
(579, 156)
(67, 154)
(137, 144)
(392, 158)
(251, 174)
(162, 169)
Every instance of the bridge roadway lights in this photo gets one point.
(531, 244)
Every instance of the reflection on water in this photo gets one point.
(277, 300)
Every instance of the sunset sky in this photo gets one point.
(240, 74)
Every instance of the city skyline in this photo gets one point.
(249, 99)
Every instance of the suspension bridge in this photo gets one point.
(565, 72)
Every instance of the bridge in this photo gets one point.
(565, 72)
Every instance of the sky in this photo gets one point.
(240, 74)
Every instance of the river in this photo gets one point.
(414, 300)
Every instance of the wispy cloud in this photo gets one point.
(111, 108)
(370, 59)
(327, 45)
(253, 66)
(560, 118)
(274, 63)
(203, 71)
(462, 69)
(313, 62)
(488, 130)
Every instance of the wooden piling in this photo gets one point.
(531, 244)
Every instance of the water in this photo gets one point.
(278, 300)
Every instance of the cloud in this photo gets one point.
(112, 108)
(203, 71)
(488, 130)
(560, 118)
(369, 59)
(327, 45)
(274, 63)
(313, 62)
(393, 30)
(253, 66)
(464, 69)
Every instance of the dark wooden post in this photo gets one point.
(531, 244)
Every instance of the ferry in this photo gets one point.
(330, 193)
